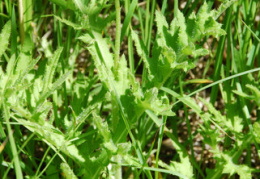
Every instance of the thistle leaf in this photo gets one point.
(175, 43)
(50, 69)
(4, 37)
(55, 137)
(67, 171)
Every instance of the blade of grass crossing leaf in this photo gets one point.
(18, 170)
(186, 100)
(189, 102)
(154, 118)
(217, 82)
(4, 37)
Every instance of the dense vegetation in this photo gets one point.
(129, 89)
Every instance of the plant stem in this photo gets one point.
(130, 43)
(147, 21)
(150, 27)
(187, 121)
(21, 21)
(118, 170)
(17, 167)
(159, 145)
(118, 33)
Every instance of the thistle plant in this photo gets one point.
(104, 122)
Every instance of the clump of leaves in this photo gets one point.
(106, 139)
(176, 42)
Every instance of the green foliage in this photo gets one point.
(176, 42)
(94, 119)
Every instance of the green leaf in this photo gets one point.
(230, 168)
(10, 66)
(255, 92)
(23, 61)
(153, 103)
(183, 167)
(222, 8)
(256, 128)
(55, 137)
(50, 69)
(55, 86)
(23, 72)
(69, 23)
(93, 7)
(105, 133)
(67, 171)
(4, 37)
